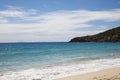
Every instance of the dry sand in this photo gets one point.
(108, 74)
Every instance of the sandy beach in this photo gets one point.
(107, 74)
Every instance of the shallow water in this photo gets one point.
(46, 61)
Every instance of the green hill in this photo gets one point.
(112, 35)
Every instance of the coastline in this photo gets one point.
(106, 74)
(62, 72)
(52, 61)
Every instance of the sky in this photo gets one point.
(55, 20)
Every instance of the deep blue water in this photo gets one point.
(15, 56)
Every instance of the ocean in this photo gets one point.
(51, 60)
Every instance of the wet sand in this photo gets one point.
(107, 74)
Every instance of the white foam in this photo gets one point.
(54, 72)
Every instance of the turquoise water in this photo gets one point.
(15, 56)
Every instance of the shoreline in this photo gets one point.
(106, 74)
(58, 72)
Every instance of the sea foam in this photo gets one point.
(58, 71)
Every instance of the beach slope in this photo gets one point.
(107, 74)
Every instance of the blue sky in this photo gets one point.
(55, 20)
(52, 5)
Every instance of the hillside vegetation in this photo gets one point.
(112, 35)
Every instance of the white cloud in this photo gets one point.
(52, 26)
(12, 12)
(3, 20)
(16, 13)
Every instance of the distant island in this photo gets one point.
(111, 35)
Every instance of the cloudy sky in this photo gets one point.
(55, 20)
